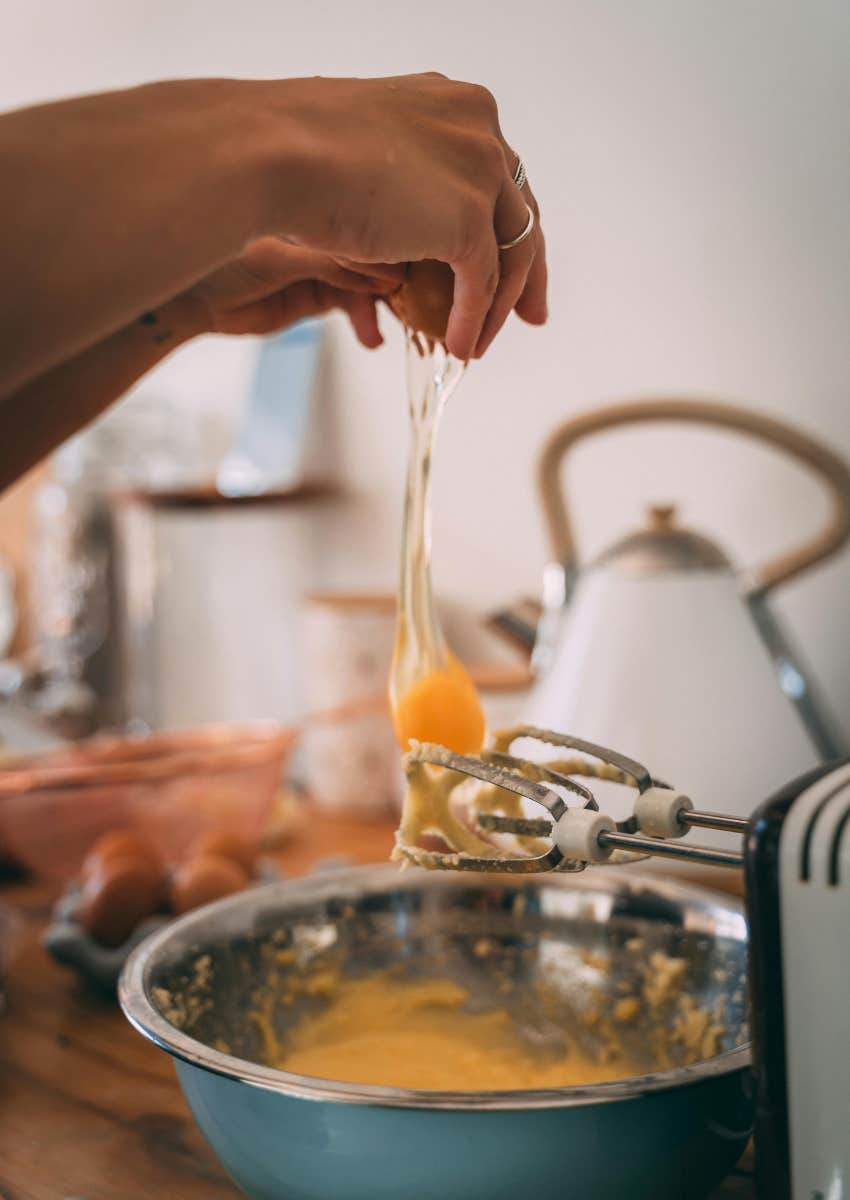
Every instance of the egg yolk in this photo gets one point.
(443, 708)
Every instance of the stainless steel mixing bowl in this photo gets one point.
(667, 1134)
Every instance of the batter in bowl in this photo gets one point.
(390, 1030)
(416, 1034)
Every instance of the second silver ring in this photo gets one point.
(529, 226)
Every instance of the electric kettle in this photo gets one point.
(659, 646)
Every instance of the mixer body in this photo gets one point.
(798, 907)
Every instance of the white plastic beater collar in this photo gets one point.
(576, 834)
(658, 812)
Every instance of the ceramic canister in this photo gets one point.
(351, 758)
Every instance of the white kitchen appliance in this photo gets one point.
(798, 901)
(661, 647)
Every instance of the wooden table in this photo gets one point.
(88, 1108)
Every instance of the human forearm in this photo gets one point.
(111, 204)
(39, 416)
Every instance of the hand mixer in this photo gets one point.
(580, 835)
(796, 859)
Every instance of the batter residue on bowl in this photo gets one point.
(426, 1031)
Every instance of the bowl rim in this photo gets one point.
(141, 1012)
(149, 758)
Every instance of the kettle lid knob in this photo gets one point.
(663, 545)
(661, 517)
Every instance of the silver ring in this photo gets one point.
(529, 225)
(520, 175)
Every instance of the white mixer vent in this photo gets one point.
(825, 837)
(814, 901)
(839, 843)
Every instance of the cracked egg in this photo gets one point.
(424, 300)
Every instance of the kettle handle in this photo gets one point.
(832, 469)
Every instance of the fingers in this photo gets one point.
(476, 279)
(311, 299)
(289, 264)
(308, 298)
(520, 277)
(270, 264)
(363, 315)
(511, 217)
(274, 311)
(350, 278)
(524, 275)
(389, 274)
(532, 306)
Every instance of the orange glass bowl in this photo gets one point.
(169, 787)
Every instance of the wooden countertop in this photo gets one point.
(88, 1108)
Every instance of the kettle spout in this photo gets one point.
(518, 623)
(532, 625)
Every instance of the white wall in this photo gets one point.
(691, 158)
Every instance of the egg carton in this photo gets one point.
(70, 944)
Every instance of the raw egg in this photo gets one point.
(200, 880)
(223, 844)
(442, 707)
(424, 300)
(117, 895)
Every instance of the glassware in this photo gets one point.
(143, 442)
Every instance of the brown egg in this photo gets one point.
(200, 880)
(119, 843)
(223, 844)
(424, 300)
(117, 895)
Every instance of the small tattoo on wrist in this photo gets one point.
(160, 335)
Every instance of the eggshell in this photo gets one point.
(224, 844)
(201, 880)
(424, 300)
(117, 895)
(119, 843)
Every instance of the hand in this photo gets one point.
(273, 285)
(401, 169)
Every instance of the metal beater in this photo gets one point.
(579, 835)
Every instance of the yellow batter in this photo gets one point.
(427, 811)
(415, 1034)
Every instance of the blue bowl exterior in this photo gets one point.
(675, 1144)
